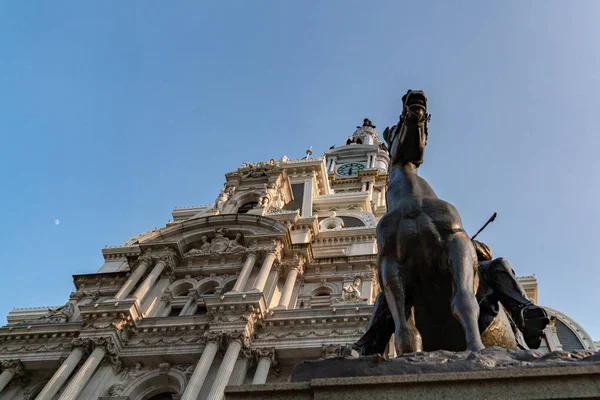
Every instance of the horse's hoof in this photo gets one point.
(476, 347)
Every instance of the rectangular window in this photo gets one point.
(298, 192)
(175, 311)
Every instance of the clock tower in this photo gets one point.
(360, 165)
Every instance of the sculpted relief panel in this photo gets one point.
(220, 244)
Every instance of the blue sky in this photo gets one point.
(113, 113)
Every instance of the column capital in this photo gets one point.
(252, 251)
(213, 336)
(265, 352)
(167, 258)
(275, 248)
(145, 258)
(296, 263)
(238, 336)
(84, 343)
(112, 352)
(15, 366)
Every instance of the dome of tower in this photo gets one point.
(365, 134)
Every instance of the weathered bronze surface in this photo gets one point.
(428, 266)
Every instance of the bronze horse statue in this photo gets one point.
(426, 262)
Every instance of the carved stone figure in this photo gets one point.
(234, 245)
(268, 195)
(425, 260)
(224, 196)
(127, 376)
(60, 314)
(205, 248)
(351, 292)
(220, 244)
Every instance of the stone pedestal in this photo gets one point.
(494, 373)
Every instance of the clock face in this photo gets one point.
(350, 169)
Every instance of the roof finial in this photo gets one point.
(308, 153)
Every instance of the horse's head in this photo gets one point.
(407, 140)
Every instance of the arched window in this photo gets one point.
(228, 286)
(208, 288)
(182, 289)
(321, 298)
(247, 207)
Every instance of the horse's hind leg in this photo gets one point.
(395, 294)
(464, 304)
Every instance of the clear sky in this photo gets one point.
(113, 113)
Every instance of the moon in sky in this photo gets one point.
(56, 221)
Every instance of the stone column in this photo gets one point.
(10, 369)
(83, 376)
(165, 301)
(306, 210)
(265, 269)
(266, 357)
(246, 270)
(332, 166)
(290, 282)
(240, 370)
(61, 375)
(196, 381)
(190, 303)
(236, 340)
(134, 278)
(144, 288)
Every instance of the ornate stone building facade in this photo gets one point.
(280, 269)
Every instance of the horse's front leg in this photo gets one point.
(464, 304)
(395, 294)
